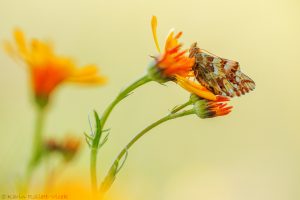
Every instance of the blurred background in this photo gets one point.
(253, 153)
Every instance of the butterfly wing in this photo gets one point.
(241, 83)
(221, 76)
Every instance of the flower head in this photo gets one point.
(173, 60)
(207, 109)
(173, 64)
(48, 70)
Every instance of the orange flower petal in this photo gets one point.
(195, 88)
(20, 40)
(87, 75)
(154, 27)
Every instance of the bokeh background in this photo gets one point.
(253, 153)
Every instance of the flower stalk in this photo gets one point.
(123, 94)
(100, 123)
(37, 149)
(94, 152)
(47, 71)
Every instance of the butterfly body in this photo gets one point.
(220, 76)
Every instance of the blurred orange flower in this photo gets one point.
(77, 189)
(48, 70)
(68, 147)
(69, 189)
(174, 65)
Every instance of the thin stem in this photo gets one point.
(94, 152)
(93, 164)
(124, 93)
(148, 128)
(115, 168)
(37, 144)
(95, 145)
(176, 109)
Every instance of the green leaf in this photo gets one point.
(98, 124)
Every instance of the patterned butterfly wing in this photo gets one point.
(221, 76)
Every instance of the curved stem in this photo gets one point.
(124, 93)
(95, 145)
(115, 168)
(176, 109)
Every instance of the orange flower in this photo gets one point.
(173, 60)
(174, 65)
(48, 70)
(214, 109)
(207, 109)
(68, 147)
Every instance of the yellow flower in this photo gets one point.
(48, 70)
(75, 188)
(173, 64)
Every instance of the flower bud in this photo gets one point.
(208, 109)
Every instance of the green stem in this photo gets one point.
(95, 145)
(93, 164)
(37, 144)
(176, 109)
(124, 93)
(94, 152)
(108, 180)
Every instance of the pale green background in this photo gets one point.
(251, 154)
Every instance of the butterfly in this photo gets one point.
(220, 76)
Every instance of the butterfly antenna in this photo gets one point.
(210, 53)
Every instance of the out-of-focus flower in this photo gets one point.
(48, 70)
(68, 147)
(207, 109)
(74, 189)
(174, 65)
(77, 189)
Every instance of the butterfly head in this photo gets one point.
(194, 49)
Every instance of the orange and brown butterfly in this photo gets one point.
(220, 76)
